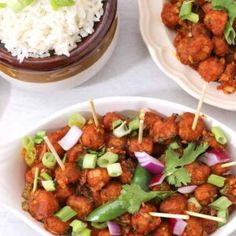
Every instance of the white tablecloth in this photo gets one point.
(129, 72)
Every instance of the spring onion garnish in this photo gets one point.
(99, 225)
(116, 123)
(30, 152)
(99, 152)
(186, 12)
(114, 170)
(174, 145)
(76, 120)
(89, 161)
(216, 180)
(3, 5)
(222, 203)
(177, 226)
(36, 175)
(78, 226)
(134, 124)
(121, 130)
(71, 138)
(49, 160)
(85, 232)
(219, 135)
(49, 185)
(61, 3)
(107, 158)
(18, 5)
(224, 214)
(195, 202)
(66, 213)
(38, 138)
(45, 176)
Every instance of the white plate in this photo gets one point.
(12, 167)
(158, 39)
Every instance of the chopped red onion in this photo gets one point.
(114, 228)
(149, 163)
(187, 189)
(157, 180)
(214, 157)
(177, 226)
(71, 138)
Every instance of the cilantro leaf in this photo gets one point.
(132, 196)
(176, 174)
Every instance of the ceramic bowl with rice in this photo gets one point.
(49, 44)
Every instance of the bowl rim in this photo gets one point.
(131, 101)
(163, 54)
(87, 45)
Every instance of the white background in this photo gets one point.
(130, 71)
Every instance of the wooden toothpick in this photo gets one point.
(203, 216)
(168, 215)
(229, 164)
(141, 126)
(199, 107)
(93, 110)
(53, 151)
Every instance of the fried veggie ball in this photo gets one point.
(117, 145)
(128, 168)
(209, 226)
(219, 170)
(221, 47)
(109, 118)
(82, 205)
(199, 29)
(149, 119)
(102, 232)
(56, 136)
(162, 187)
(62, 194)
(55, 226)
(211, 68)
(199, 172)
(205, 194)
(97, 178)
(162, 230)
(164, 130)
(170, 15)
(230, 188)
(145, 146)
(42, 204)
(110, 192)
(175, 204)
(74, 153)
(216, 21)
(142, 222)
(185, 127)
(192, 50)
(210, 139)
(194, 227)
(69, 175)
(93, 137)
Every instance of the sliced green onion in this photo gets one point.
(224, 214)
(66, 213)
(78, 226)
(222, 203)
(61, 3)
(89, 161)
(229, 32)
(45, 176)
(174, 145)
(38, 138)
(107, 158)
(219, 135)
(49, 160)
(194, 201)
(193, 17)
(99, 152)
(30, 151)
(77, 120)
(121, 130)
(18, 5)
(3, 5)
(99, 225)
(49, 185)
(36, 175)
(186, 8)
(85, 232)
(216, 180)
(114, 170)
(116, 123)
(134, 124)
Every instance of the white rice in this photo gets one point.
(38, 29)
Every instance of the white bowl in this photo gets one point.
(12, 166)
(158, 39)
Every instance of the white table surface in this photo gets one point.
(129, 72)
